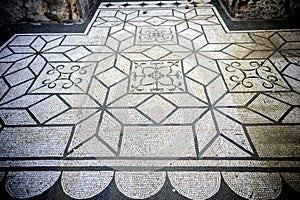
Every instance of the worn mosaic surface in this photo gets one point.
(151, 92)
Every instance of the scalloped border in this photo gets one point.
(145, 184)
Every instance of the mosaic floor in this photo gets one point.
(151, 92)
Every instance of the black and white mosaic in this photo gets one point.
(148, 95)
(156, 35)
(156, 77)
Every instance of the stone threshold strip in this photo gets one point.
(119, 163)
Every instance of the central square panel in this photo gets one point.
(156, 77)
(156, 35)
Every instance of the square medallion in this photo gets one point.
(252, 76)
(156, 77)
(64, 78)
(156, 35)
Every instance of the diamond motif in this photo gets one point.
(108, 5)
(279, 61)
(19, 76)
(156, 21)
(106, 76)
(77, 53)
(156, 52)
(269, 107)
(237, 51)
(190, 34)
(202, 75)
(292, 70)
(125, 5)
(176, 3)
(122, 35)
(143, 4)
(277, 40)
(38, 44)
(48, 108)
(156, 108)
(160, 4)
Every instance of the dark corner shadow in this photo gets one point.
(8, 30)
(244, 25)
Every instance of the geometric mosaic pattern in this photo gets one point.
(252, 75)
(148, 95)
(157, 77)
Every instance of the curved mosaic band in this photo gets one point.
(141, 185)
